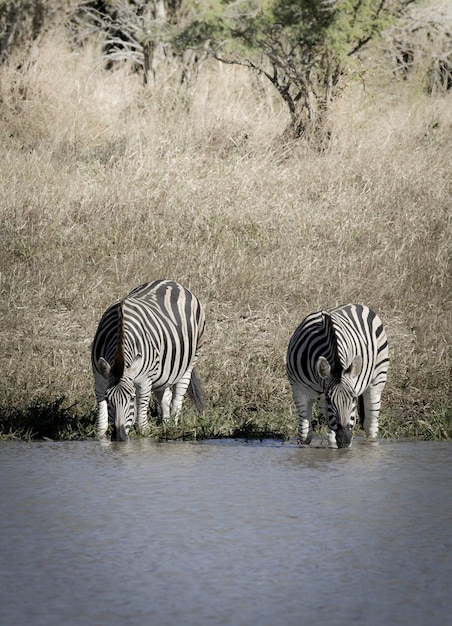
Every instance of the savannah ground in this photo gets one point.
(106, 184)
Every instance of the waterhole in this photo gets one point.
(225, 533)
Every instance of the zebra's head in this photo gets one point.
(120, 395)
(340, 397)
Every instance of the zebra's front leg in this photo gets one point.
(101, 419)
(371, 405)
(304, 410)
(100, 388)
(143, 395)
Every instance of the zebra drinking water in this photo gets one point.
(150, 340)
(335, 356)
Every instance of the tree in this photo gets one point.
(143, 33)
(23, 21)
(420, 43)
(302, 47)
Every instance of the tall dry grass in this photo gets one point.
(106, 184)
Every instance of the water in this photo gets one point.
(225, 533)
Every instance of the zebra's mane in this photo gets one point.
(117, 368)
(330, 327)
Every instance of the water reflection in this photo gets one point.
(224, 532)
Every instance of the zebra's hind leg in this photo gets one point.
(164, 397)
(370, 410)
(178, 394)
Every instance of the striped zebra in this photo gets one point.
(150, 340)
(335, 356)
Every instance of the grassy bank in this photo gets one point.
(105, 184)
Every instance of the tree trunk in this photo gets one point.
(153, 48)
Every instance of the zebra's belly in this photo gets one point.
(164, 380)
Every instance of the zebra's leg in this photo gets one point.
(304, 410)
(164, 397)
(371, 405)
(143, 395)
(100, 387)
(323, 407)
(101, 418)
(178, 393)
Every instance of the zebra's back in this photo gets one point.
(311, 338)
(339, 334)
(173, 318)
(360, 331)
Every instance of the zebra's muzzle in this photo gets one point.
(119, 434)
(343, 436)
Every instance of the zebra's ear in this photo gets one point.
(356, 366)
(134, 368)
(323, 368)
(104, 367)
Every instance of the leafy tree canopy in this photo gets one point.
(301, 47)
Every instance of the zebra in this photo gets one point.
(149, 340)
(335, 356)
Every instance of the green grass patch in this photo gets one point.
(424, 425)
(45, 419)
(57, 420)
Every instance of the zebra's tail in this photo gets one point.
(195, 391)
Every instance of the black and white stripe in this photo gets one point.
(335, 356)
(149, 341)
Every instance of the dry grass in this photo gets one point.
(105, 185)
